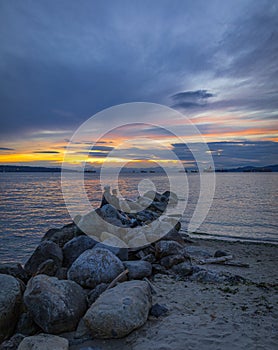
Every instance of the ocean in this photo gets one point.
(244, 207)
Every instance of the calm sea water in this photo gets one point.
(244, 206)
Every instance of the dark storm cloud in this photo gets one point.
(102, 148)
(189, 99)
(47, 152)
(6, 149)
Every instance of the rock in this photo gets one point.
(95, 266)
(174, 235)
(76, 247)
(44, 342)
(197, 252)
(150, 258)
(14, 269)
(48, 267)
(62, 235)
(146, 216)
(26, 325)
(206, 276)
(138, 241)
(138, 269)
(46, 250)
(120, 310)
(158, 269)
(114, 241)
(12, 343)
(154, 196)
(183, 269)
(96, 292)
(171, 260)
(165, 248)
(10, 304)
(171, 196)
(62, 273)
(158, 310)
(158, 207)
(109, 212)
(220, 253)
(55, 305)
(121, 253)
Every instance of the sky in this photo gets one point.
(215, 62)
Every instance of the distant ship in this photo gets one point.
(208, 170)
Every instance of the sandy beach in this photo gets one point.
(212, 316)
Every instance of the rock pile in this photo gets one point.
(78, 283)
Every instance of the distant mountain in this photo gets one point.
(251, 169)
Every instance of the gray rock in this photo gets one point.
(46, 250)
(138, 269)
(10, 304)
(197, 252)
(120, 310)
(146, 216)
(44, 342)
(12, 343)
(62, 235)
(174, 235)
(220, 253)
(76, 247)
(158, 310)
(109, 212)
(206, 276)
(62, 273)
(55, 305)
(171, 196)
(165, 248)
(14, 269)
(96, 292)
(158, 206)
(26, 325)
(48, 267)
(183, 269)
(95, 266)
(121, 253)
(150, 258)
(171, 260)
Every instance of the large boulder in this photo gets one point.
(120, 310)
(10, 305)
(44, 342)
(12, 343)
(55, 305)
(14, 269)
(76, 247)
(165, 248)
(62, 235)
(138, 269)
(120, 252)
(45, 251)
(95, 266)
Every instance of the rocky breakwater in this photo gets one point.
(97, 285)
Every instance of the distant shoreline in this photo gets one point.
(34, 169)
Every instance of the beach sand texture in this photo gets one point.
(212, 315)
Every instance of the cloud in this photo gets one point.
(47, 152)
(233, 154)
(101, 148)
(6, 149)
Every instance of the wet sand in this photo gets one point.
(212, 315)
